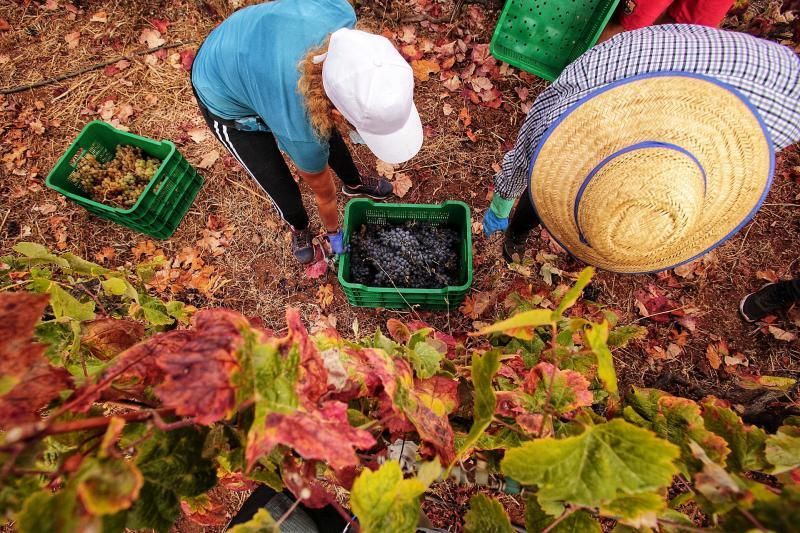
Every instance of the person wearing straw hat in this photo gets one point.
(635, 14)
(650, 149)
(279, 77)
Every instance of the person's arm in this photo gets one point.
(513, 177)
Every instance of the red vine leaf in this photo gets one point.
(107, 337)
(206, 510)
(324, 434)
(300, 478)
(28, 382)
(19, 313)
(198, 371)
(313, 380)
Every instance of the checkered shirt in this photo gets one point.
(768, 74)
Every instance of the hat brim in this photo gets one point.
(709, 119)
(400, 145)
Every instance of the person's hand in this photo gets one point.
(496, 218)
(336, 241)
(492, 223)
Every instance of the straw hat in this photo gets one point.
(651, 172)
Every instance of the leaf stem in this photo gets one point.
(567, 512)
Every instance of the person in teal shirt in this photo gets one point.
(280, 77)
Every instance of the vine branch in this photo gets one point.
(90, 68)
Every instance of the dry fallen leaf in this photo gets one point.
(781, 334)
(208, 160)
(100, 16)
(452, 84)
(46, 209)
(402, 184)
(106, 253)
(198, 134)
(36, 127)
(423, 68)
(464, 117)
(72, 39)
(736, 359)
(475, 306)
(325, 295)
(716, 352)
(384, 169)
(447, 109)
(151, 37)
(50, 5)
(4, 25)
(768, 275)
(408, 35)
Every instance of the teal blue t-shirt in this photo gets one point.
(248, 66)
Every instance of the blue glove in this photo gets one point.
(492, 223)
(336, 241)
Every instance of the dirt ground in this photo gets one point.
(254, 272)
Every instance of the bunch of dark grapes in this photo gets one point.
(407, 255)
(118, 182)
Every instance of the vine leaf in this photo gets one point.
(636, 510)
(37, 254)
(596, 337)
(262, 522)
(568, 390)
(537, 520)
(28, 382)
(603, 463)
(384, 501)
(486, 515)
(572, 295)
(107, 486)
(174, 468)
(205, 510)
(105, 338)
(405, 401)
(19, 313)
(746, 442)
(678, 420)
(439, 394)
(484, 367)
(520, 325)
(323, 434)
(783, 448)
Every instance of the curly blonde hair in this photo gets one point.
(319, 108)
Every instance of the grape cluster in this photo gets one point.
(408, 255)
(118, 182)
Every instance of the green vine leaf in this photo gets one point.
(486, 515)
(262, 522)
(67, 306)
(596, 337)
(746, 442)
(636, 510)
(108, 486)
(82, 266)
(39, 255)
(678, 420)
(384, 501)
(620, 336)
(484, 367)
(572, 295)
(783, 448)
(520, 325)
(536, 519)
(600, 465)
(425, 359)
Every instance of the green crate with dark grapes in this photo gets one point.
(139, 183)
(406, 255)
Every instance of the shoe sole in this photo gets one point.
(353, 194)
(741, 310)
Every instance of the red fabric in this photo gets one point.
(642, 13)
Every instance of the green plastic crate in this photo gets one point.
(165, 200)
(544, 36)
(452, 213)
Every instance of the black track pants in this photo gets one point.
(258, 153)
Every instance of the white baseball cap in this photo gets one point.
(371, 84)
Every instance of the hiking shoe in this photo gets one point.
(769, 299)
(375, 188)
(514, 245)
(303, 246)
